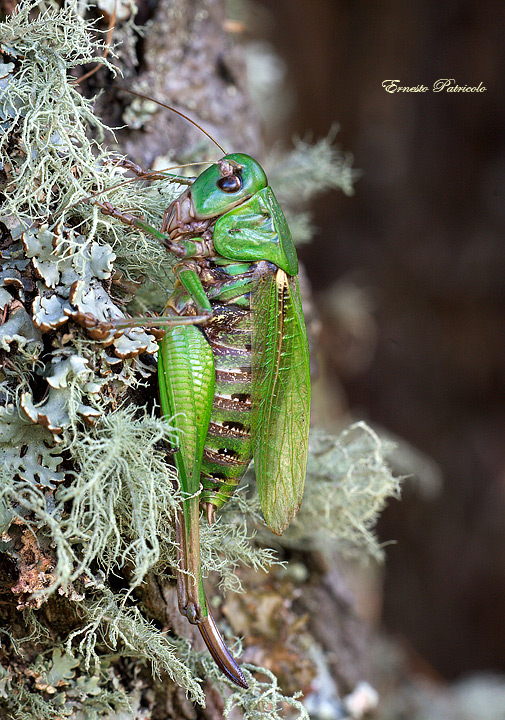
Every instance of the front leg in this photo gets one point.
(184, 248)
(179, 216)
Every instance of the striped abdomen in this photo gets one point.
(228, 448)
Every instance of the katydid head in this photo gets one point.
(227, 183)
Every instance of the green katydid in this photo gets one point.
(233, 365)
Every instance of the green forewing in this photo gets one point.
(257, 230)
(280, 396)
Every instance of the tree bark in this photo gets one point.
(187, 59)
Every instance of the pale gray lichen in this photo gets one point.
(55, 686)
(127, 629)
(19, 327)
(348, 484)
(37, 97)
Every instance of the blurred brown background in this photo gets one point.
(423, 240)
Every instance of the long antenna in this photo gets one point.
(177, 112)
(145, 176)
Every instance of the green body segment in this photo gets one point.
(228, 447)
(257, 230)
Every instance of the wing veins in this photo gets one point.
(281, 391)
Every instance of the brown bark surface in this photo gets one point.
(184, 58)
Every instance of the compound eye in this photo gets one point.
(230, 184)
